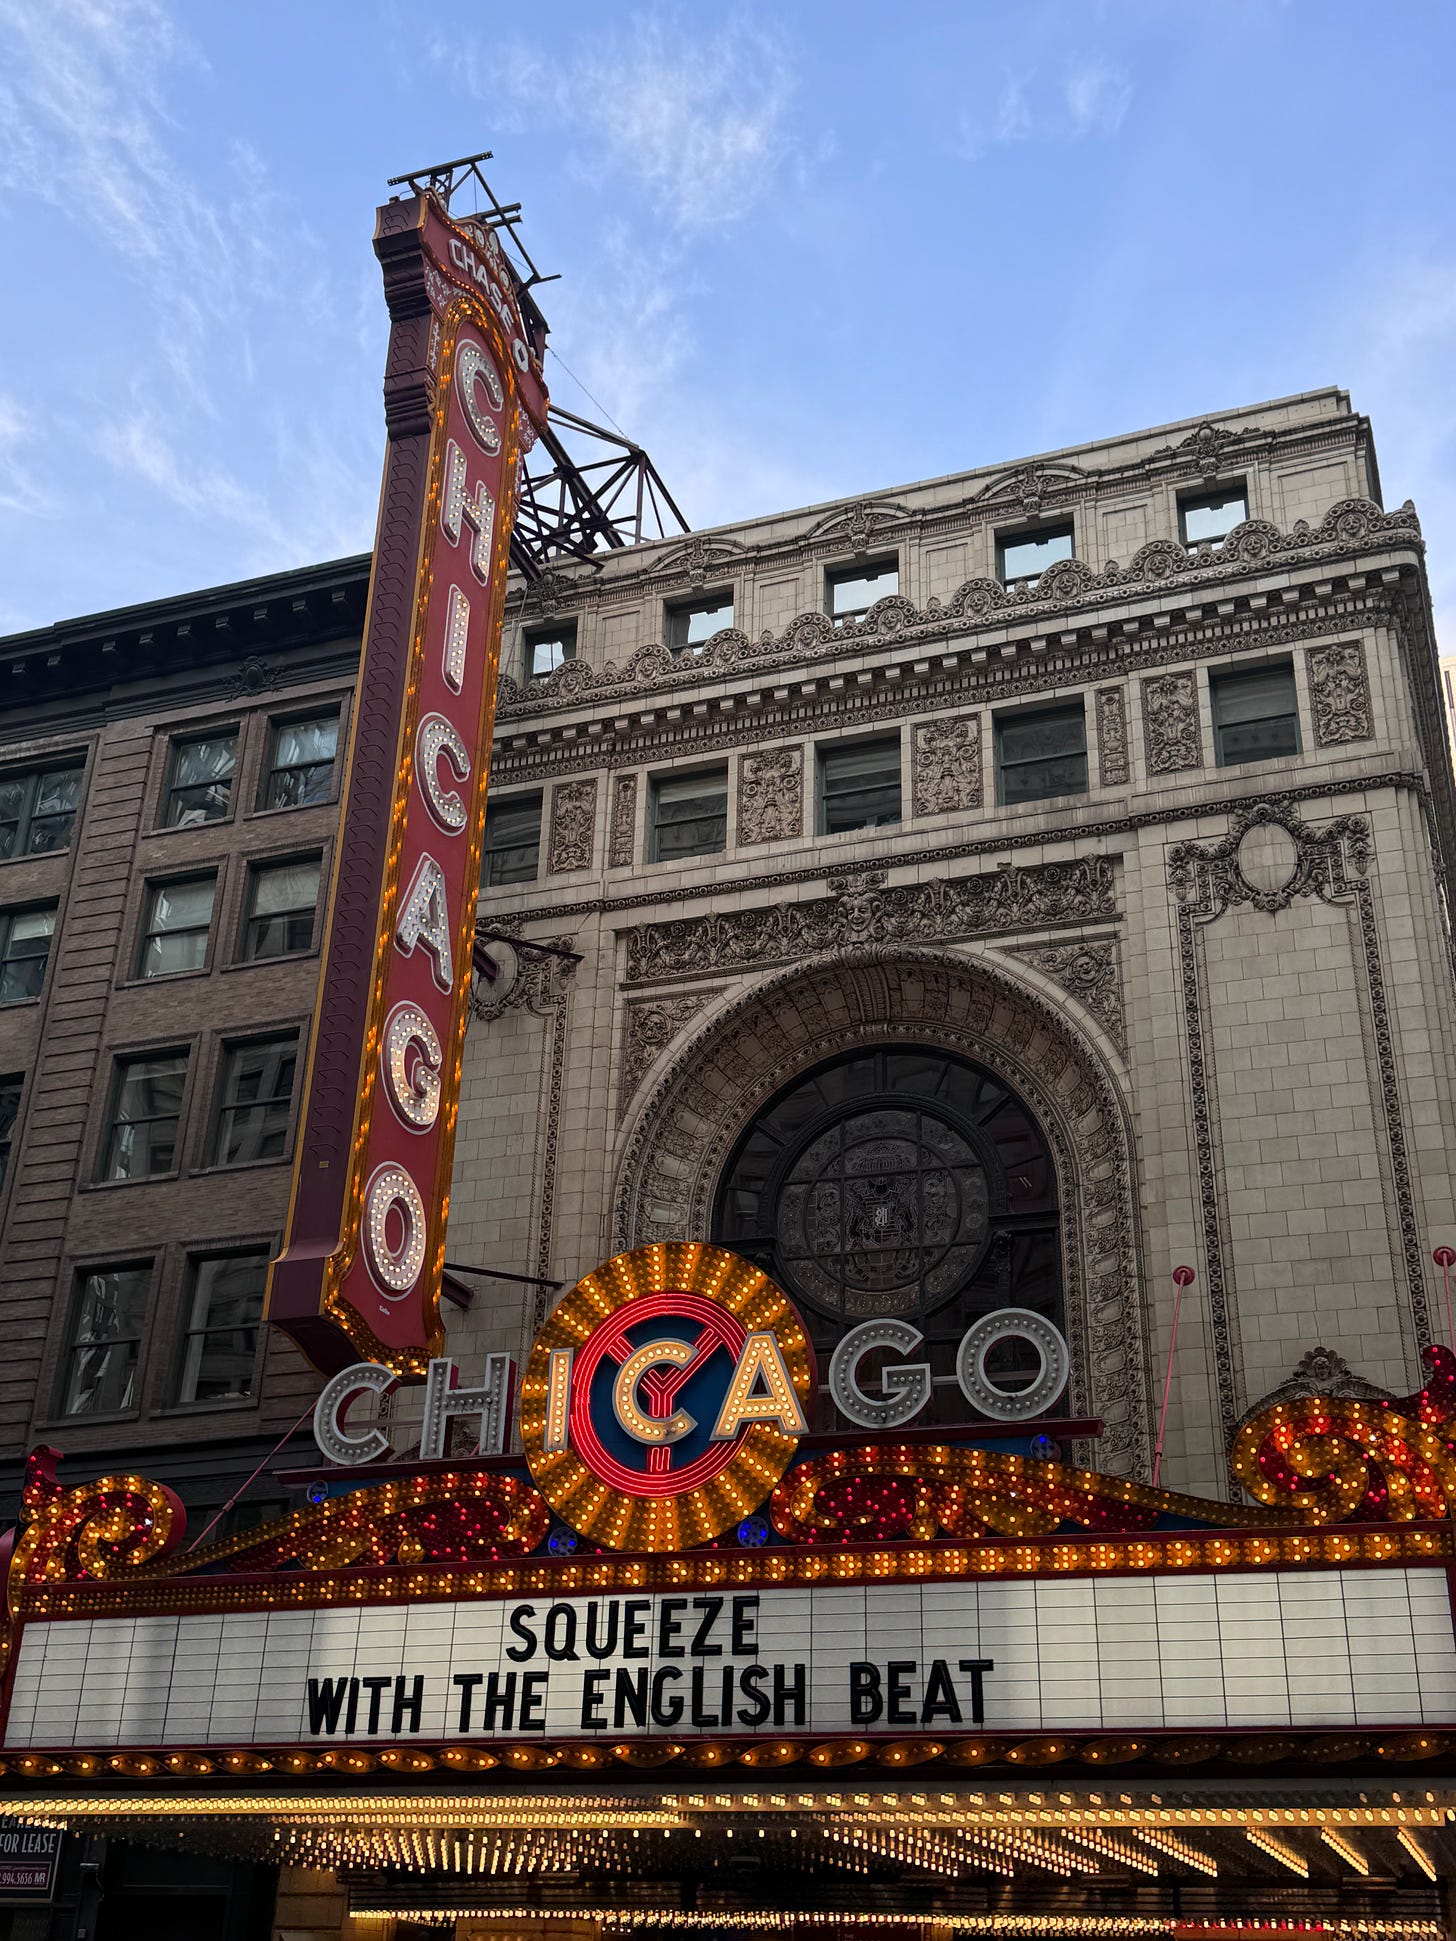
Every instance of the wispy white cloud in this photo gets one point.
(20, 490)
(698, 120)
(1080, 100)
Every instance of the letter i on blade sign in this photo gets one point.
(358, 1277)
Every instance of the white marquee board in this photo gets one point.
(1232, 1651)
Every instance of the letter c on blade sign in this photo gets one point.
(665, 1397)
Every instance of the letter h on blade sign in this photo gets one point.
(358, 1278)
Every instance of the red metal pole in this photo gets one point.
(1445, 1258)
(1182, 1277)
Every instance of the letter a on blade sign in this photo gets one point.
(358, 1278)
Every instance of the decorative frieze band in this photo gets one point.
(861, 910)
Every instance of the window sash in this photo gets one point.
(512, 852)
(300, 774)
(1208, 520)
(1043, 755)
(1255, 716)
(689, 815)
(549, 649)
(25, 952)
(141, 1139)
(1026, 556)
(282, 908)
(845, 589)
(255, 1127)
(690, 626)
(859, 787)
(222, 1328)
(201, 784)
(38, 810)
(105, 1341)
(169, 947)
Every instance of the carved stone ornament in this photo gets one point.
(1268, 858)
(1111, 737)
(854, 527)
(699, 560)
(771, 795)
(1031, 486)
(1205, 449)
(945, 765)
(573, 825)
(537, 986)
(1320, 1372)
(621, 841)
(683, 1133)
(1172, 739)
(1346, 528)
(553, 590)
(652, 1024)
(255, 676)
(1092, 974)
(1339, 692)
(861, 910)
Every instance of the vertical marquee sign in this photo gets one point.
(358, 1277)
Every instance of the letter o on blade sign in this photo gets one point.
(665, 1397)
(1012, 1324)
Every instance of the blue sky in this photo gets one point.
(804, 250)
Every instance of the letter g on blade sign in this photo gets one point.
(665, 1397)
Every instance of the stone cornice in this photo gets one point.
(1066, 601)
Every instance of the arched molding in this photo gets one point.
(702, 1092)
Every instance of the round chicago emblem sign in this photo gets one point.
(665, 1396)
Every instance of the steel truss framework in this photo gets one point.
(584, 489)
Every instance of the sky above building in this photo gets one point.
(804, 252)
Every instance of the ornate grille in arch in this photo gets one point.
(900, 1182)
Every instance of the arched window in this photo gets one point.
(900, 1182)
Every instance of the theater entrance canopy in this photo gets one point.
(685, 1662)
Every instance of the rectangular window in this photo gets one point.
(200, 779)
(1027, 555)
(690, 622)
(1255, 716)
(301, 762)
(1042, 753)
(512, 841)
(689, 815)
(220, 1343)
(25, 946)
(859, 785)
(282, 903)
(255, 1097)
(1208, 517)
(852, 590)
(146, 1111)
(175, 928)
(38, 809)
(10, 1090)
(106, 1337)
(548, 648)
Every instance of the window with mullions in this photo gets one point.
(301, 763)
(1027, 555)
(1041, 753)
(25, 948)
(176, 926)
(691, 622)
(900, 1182)
(512, 852)
(689, 815)
(255, 1100)
(852, 590)
(106, 1339)
(220, 1343)
(282, 902)
(859, 785)
(548, 648)
(146, 1112)
(1205, 518)
(200, 779)
(10, 1090)
(1255, 715)
(38, 810)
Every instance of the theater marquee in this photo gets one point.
(359, 1274)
